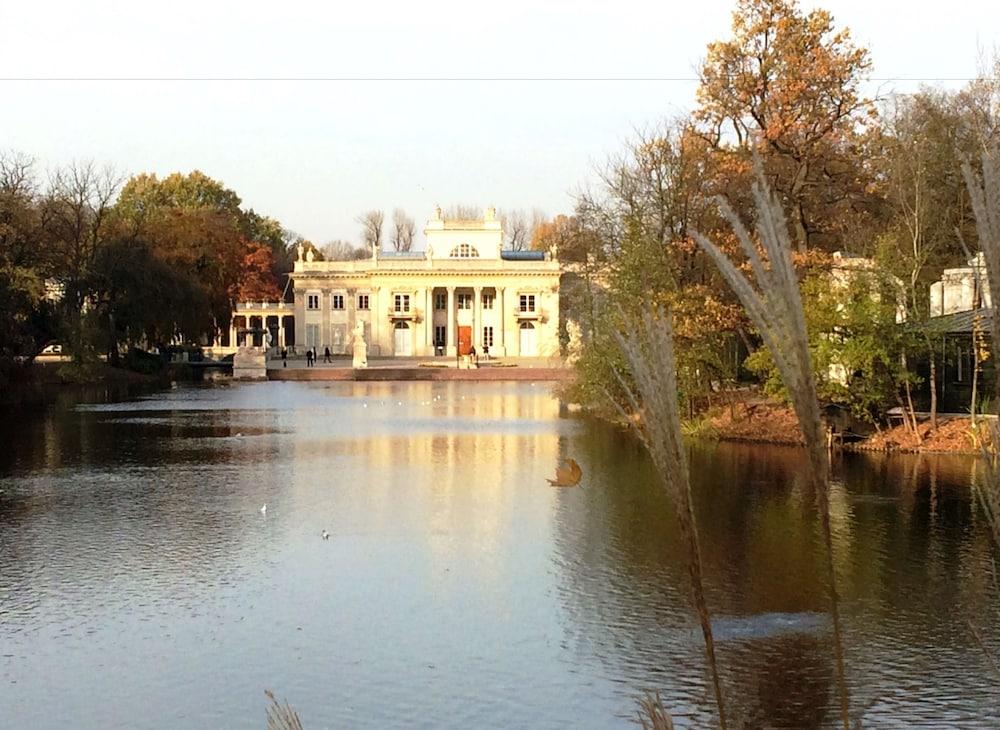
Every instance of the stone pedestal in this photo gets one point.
(250, 363)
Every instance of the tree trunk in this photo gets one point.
(975, 380)
(934, 388)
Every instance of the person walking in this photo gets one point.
(284, 357)
(309, 358)
(326, 355)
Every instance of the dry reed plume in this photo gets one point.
(652, 715)
(984, 193)
(775, 307)
(649, 351)
(281, 717)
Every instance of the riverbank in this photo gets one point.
(773, 423)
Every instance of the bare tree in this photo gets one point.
(519, 227)
(462, 212)
(77, 215)
(340, 250)
(20, 241)
(403, 230)
(371, 228)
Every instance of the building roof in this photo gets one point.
(522, 255)
(961, 322)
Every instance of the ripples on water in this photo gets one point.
(140, 585)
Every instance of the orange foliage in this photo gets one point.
(256, 282)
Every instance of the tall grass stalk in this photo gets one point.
(652, 715)
(775, 307)
(984, 192)
(648, 348)
(281, 716)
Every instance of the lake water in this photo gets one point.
(142, 587)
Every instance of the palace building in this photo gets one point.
(463, 291)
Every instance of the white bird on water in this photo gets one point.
(326, 535)
(263, 509)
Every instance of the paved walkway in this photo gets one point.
(421, 368)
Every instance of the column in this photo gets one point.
(429, 319)
(300, 321)
(232, 333)
(375, 314)
(351, 310)
(325, 302)
(451, 334)
(501, 334)
(477, 318)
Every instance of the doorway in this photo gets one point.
(402, 342)
(464, 340)
(528, 343)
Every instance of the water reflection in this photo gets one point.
(141, 586)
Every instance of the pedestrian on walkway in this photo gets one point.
(326, 355)
(284, 357)
(309, 358)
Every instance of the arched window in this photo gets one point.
(464, 251)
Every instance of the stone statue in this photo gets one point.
(360, 346)
(310, 256)
(429, 252)
(299, 248)
(437, 212)
(575, 346)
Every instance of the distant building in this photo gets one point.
(462, 291)
(961, 289)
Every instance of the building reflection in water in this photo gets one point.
(125, 522)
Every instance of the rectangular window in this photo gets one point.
(488, 336)
(527, 302)
(487, 301)
(362, 301)
(312, 335)
(312, 301)
(465, 301)
(440, 302)
(402, 302)
(337, 301)
(439, 335)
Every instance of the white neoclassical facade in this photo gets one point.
(462, 291)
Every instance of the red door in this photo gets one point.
(464, 340)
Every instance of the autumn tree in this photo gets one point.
(403, 230)
(256, 282)
(787, 86)
(195, 223)
(371, 229)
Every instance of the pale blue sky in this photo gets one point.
(315, 154)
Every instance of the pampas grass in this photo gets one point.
(648, 347)
(775, 307)
(281, 717)
(984, 193)
(652, 715)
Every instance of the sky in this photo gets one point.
(316, 112)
